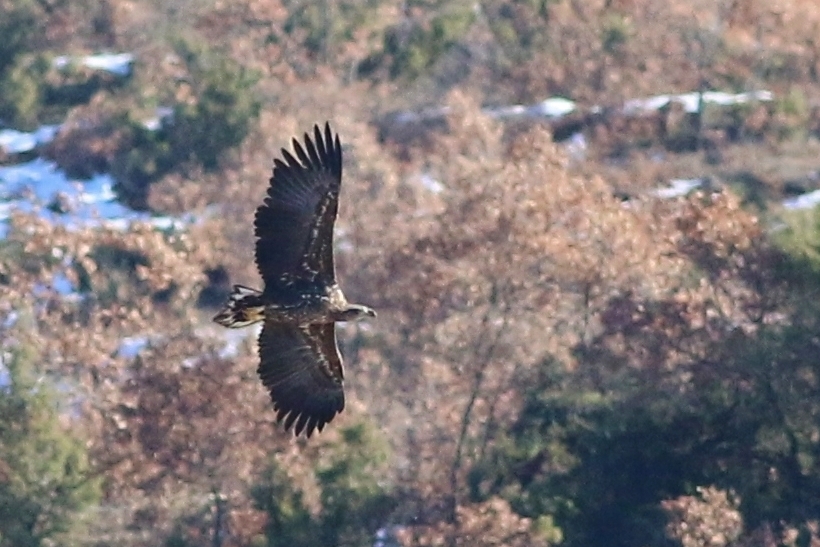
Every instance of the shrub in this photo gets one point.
(792, 115)
(218, 117)
(616, 32)
(22, 90)
(73, 84)
(409, 54)
(800, 240)
(520, 27)
(145, 157)
(222, 113)
(18, 26)
(708, 519)
(326, 29)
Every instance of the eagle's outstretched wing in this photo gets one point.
(294, 226)
(302, 369)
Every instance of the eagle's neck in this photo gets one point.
(342, 310)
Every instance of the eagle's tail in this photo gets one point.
(245, 307)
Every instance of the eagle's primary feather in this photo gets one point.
(294, 226)
(300, 362)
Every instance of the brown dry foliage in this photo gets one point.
(710, 519)
(487, 524)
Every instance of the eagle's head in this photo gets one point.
(354, 312)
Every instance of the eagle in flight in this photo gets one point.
(300, 362)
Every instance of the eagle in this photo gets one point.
(301, 302)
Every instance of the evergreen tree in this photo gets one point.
(43, 469)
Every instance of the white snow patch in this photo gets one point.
(63, 285)
(5, 210)
(504, 112)
(805, 201)
(155, 123)
(386, 536)
(650, 104)
(33, 186)
(13, 141)
(554, 107)
(233, 341)
(431, 183)
(677, 187)
(557, 107)
(10, 320)
(691, 101)
(5, 374)
(576, 146)
(115, 63)
(721, 98)
(131, 346)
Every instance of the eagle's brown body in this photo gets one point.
(300, 362)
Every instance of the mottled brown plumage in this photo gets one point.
(300, 362)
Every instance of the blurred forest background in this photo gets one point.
(561, 357)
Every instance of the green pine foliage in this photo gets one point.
(290, 522)
(22, 89)
(44, 470)
(21, 81)
(222, 114)
(800, 236)
(409, 50)
(32, 90)
(321, 27)
(198, 132)
(596, 455)
(354, 503)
